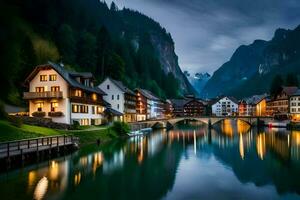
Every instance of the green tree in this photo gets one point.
(86, 51)
(66, 43)
(115, 67)
(291, 80)
(103, 51)
(276, 85)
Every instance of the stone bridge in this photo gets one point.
(210, 121)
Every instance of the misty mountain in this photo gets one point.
(252, 67)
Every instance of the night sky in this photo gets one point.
(207, 32)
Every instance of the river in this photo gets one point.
(230, 162)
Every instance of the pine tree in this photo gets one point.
(291, 80)
(103, 51)
(276, 85)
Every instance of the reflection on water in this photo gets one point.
(230, 161)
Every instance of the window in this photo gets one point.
(55, 89)
(93, 109)
(112, 97)
(78, 93)
(39, 89)
(87, 82)
(107, 87)
(118, 106)
(94, 97)
(40, 106)
(118, 97)
(43, 78)
(74, 108)
(52, 77)
(54, 106)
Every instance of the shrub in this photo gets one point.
(15, 121)
(39, 114)
(3, 114)
(121, 127)
(55, 114)
(75, 125)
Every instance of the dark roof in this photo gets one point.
(122, 87)
(234, 100)
(82, 74)
(68, 76)
(297, 93)
(255, 99)
(179, 102)
(148, 94)
(289, 90)
(113, 112)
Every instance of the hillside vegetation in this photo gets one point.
(86, 35)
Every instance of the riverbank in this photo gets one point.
(87, 135)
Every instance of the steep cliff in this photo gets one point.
(252, 67)
(88, 35)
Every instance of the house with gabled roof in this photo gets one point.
(224, 106)
(148, 105)
(121, 98)
(279, 103)
(64, 96)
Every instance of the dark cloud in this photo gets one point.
(206, 32)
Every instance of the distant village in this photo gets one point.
(72, 97)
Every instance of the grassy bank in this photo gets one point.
(8, 132)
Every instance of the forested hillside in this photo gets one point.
(86, 35)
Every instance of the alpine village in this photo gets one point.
(93, 98)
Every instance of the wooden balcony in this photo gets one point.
(42, 95)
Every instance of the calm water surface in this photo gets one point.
(189, 162)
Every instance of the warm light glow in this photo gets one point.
(77, 178)
(261, 145)
(94, 97)
(227, 127)
(98, 160)
(241, 147)
(53, 171)
(41, 189)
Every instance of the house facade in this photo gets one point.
(194, 108)
(279, 104)
(253, 106)
(224, 106)
(64, 96)
(294, 106)
(121, 99)
(148, 105)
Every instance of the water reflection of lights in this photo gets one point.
(98, 160)
(53, 171)
(77, 178)
(41, 189)
(261, 145)
(241, 147)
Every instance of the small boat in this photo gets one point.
(140, 132)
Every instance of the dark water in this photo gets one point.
(188, 162)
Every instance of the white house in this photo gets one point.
(224, 106)
(64, 96)
(294, 104)
(121, 98)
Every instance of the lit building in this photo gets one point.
(64, 96)
(253, 106)
(192, 107)
(294, 104)
(121, 99)
(148, 105)
(224, 106)
(279, 104)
